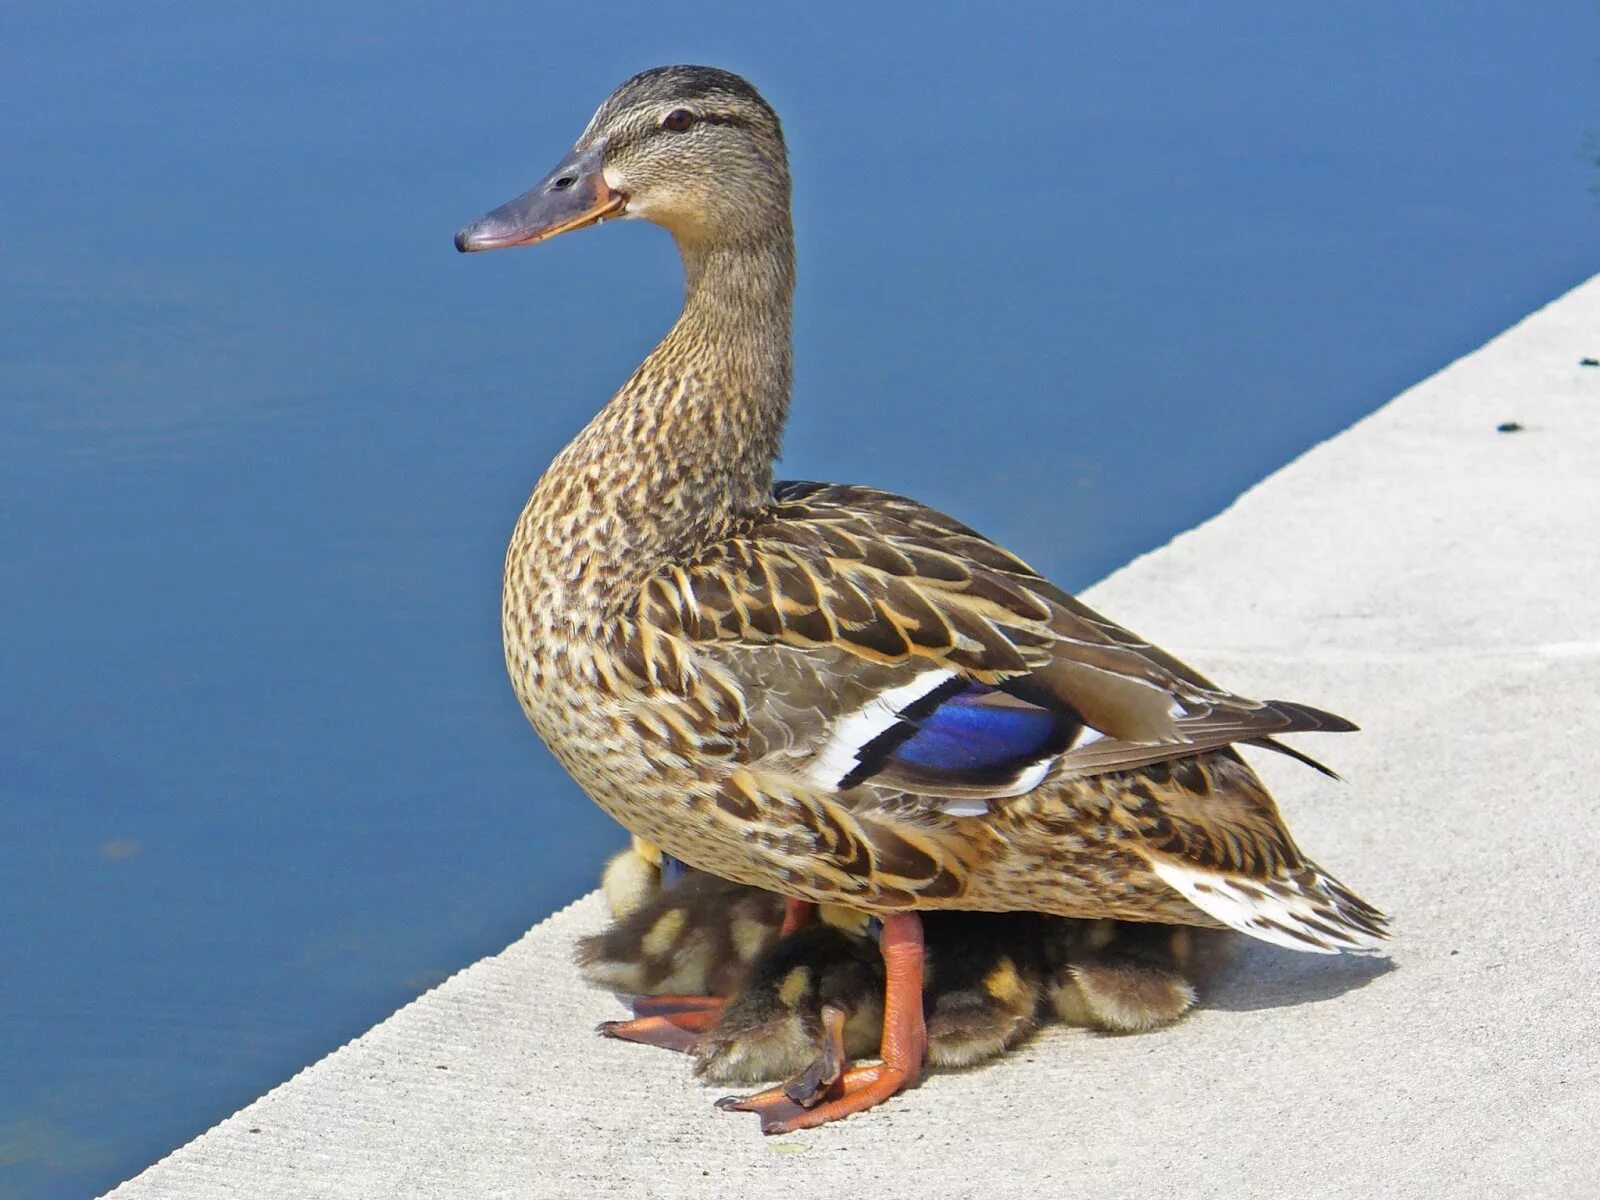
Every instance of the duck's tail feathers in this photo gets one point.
(1273, 744)
(1307, 909)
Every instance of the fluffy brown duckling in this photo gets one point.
(1128, 976)
(676, 931)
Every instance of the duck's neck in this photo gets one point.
(727, 366)
(686, 448)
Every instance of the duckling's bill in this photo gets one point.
(573, 195)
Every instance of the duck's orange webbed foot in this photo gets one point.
(812, 1098)
(858, 1089)
(667, 1022)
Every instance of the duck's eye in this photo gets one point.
(677, 121)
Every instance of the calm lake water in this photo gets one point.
(1078, 275)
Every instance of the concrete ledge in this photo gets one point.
(1430, 576)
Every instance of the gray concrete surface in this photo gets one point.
(1434, 579)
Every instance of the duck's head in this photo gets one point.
(693, 149)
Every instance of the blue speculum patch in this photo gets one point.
(965, 734)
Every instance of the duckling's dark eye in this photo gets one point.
(677, 121)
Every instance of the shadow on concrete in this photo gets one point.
(1260, 976)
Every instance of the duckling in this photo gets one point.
(1128, 977)
(631, 878)
(698, 935)
(683, 942)
(984, 983)
(809, 1004)
(830, 692)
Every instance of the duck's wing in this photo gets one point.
(876, 640)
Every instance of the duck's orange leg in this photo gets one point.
(784, 1109)
(817, 1081)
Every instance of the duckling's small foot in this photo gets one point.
(667, 1022)
(808, 1088)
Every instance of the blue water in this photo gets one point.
(1077, 274)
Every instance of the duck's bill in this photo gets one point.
(571, 196)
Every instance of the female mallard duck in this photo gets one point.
(834, 693)
(802, 1005)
